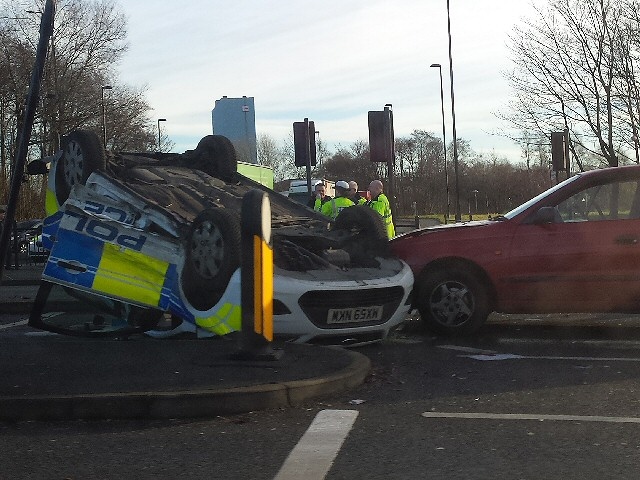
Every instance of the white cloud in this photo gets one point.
(329, 61)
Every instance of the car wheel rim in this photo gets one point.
(451, 303)
(207, 249)
(73, 164)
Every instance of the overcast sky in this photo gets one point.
(329, 61)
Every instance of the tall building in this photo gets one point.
(235, 118)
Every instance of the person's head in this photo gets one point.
(342, 189)
(320, 189)
(353, 188)
(375, 188)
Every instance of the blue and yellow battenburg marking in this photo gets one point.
(94, 255)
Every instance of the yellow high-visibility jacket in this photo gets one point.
(382, 206)
(334, 206)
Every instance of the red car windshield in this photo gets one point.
(518, 210)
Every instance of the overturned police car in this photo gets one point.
(150, 236)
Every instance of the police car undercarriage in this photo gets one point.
(153, 241)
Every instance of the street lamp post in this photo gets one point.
(160, 120)
(475, 196)
(55, 116)
(104, 116)
(444, 143)
(453, 118)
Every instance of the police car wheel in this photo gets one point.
(364, 219)
(371, 239)
(212, 256)
(216, 156)
(82, 154)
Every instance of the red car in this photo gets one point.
(573, 248)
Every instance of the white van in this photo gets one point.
(299, 191)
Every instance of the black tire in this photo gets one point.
(363, 219)
(452, 301)
(212, 255)
(144, 318)
(82, 154)
(216, 156)
(370, 240)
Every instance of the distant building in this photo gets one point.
(235, 118)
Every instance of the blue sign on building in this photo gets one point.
(235, 118)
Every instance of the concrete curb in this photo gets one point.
(24, 307)
(185, 404)
(16, 308)
(18, 297)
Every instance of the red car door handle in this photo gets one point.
(627, 240)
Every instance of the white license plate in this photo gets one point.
(354, 315)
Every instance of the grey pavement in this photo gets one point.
(45, 376)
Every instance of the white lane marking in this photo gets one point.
(509, 356)
(528, 416)
(618, 344)
(14, 324)
(314, 454)
(491, 356)
(459, 348)
(41, 334)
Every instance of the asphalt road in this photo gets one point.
(526, 399)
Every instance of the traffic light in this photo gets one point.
(381, 135)
(304, 141)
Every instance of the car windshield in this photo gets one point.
(516, 211)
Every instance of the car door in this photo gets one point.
(589, 260)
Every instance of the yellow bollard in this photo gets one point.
(256, 271)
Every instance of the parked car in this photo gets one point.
(160, 233)
(22, 234)
(573, 248)
(35, 250)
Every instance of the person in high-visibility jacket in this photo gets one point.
(334, 206)
(354, 195)
(319, 197)
(380, 203)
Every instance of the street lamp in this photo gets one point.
(160, 120)
(475, 196)
(444, 142)
(55, 135)
(104, 116)
(453, 118)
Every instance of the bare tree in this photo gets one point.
(570, 73)
(88, 41)
(268, 151)
(127, 116)
(351, 164)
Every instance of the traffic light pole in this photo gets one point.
(304, 146)
(307, 142)
(391, 162)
